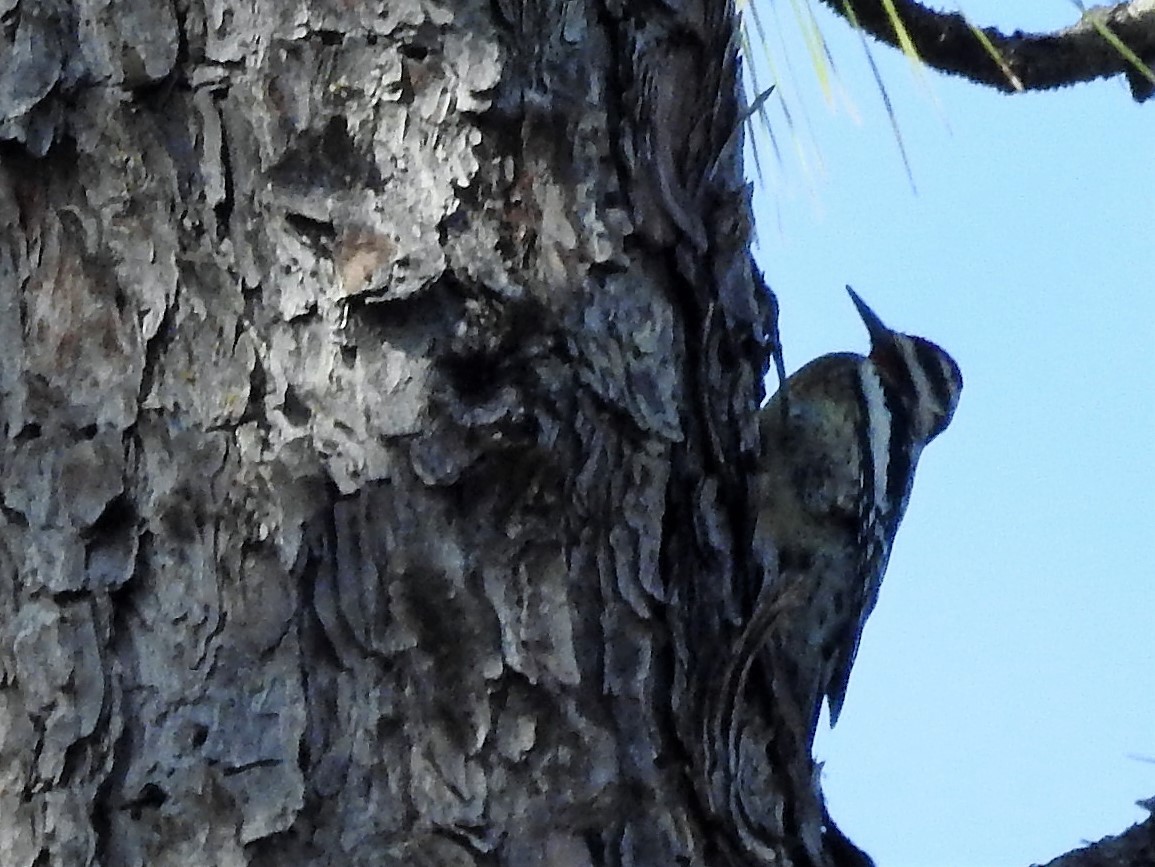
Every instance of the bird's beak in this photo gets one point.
(878, 332)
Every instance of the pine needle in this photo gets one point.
(853, 19)
(995, 55)
(1115, 42)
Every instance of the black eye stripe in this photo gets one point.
(934, 363)
(898, 469)
(898, 466)
(894, 364)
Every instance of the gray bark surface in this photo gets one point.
(377, 388)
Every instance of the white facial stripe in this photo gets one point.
(879, 424)
(950, 377)
(924, 399)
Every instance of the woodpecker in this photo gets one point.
(840, 442)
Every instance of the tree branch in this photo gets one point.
(1134, 847)
(1030, 61)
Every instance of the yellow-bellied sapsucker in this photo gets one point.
(841, 439)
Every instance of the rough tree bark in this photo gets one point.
(378, 389)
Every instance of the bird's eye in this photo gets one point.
(888, 358)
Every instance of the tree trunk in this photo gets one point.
(378, 393)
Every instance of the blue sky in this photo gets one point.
(1004, 695)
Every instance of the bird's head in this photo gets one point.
(920, 372)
